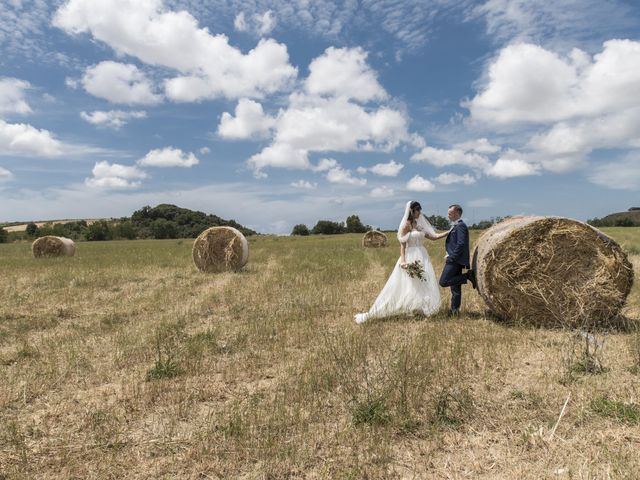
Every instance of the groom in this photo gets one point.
(457, 246)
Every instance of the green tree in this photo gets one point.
(327, 227)
(354, 225)
(162, 228)
(4, 235)
(99, 231)
(32, 229)
(126, 230)
(300, 229)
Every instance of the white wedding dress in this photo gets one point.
(403, 294)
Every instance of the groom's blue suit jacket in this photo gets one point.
(457, 245)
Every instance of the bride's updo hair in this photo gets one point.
(415, 206)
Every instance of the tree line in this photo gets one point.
(161, 222)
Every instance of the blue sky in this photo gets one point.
(278, 112)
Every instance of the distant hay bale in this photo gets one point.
(374, 239)
(549, 271)
(220, 249)
(50, 246)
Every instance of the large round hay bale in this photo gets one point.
(374, 239)
(550, 271)
(220, 249)
(50, 246)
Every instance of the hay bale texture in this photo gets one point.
(220, 249)
(50, 246)
(374, 239)
(549, 271)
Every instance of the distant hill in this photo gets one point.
(630, 218)
(161, 222)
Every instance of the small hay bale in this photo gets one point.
(374, 239)
(220, 249)
(50, 246)
(550, 271)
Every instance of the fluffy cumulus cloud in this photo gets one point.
(113, 176)
(420, 184)
(115, 119)
(168, 157)
(119, 83)
(621, 174)
(24, 139)
(343, 176)
(12, 93)
(527, 83)
(389, 169)
(207, 65)
(578, 103)
(511, 165)
(249, 121)
(344, 72)
(5, 174)
(452, 178)
(257, 23)
(328, 115)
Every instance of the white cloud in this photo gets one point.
(527, 83)
(344, 72)
(115, 119)
(447, 158)
(511, 164)
(389, 169)
(325, 164)
(207, 65)
(24, 139)
(240, 23)
(382, 192)
(481, 203)
(419, 184)
(258, 23)
(168, 157)
(622, 174)
(305, 184)
(480, 145)
(249, 121)
(279, 155)
(5, 174)
(119, 83)
(345, 177)
(115, 176)
(452, 178)
(12, 96)
(204, 151)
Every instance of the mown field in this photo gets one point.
(126, 362)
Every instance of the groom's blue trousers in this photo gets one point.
(452, 277)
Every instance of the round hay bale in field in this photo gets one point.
(50, 246)
(220, 249)
(374, 239)
(550, 271)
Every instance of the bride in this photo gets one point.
(402, 293)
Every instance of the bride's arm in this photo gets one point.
(403, 261)
(437, 236)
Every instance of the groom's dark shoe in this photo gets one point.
(454, 312)
(471, 276)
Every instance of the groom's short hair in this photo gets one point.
(457, 208)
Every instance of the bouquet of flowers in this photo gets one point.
(415, 270)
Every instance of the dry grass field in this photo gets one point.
(126, 362)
